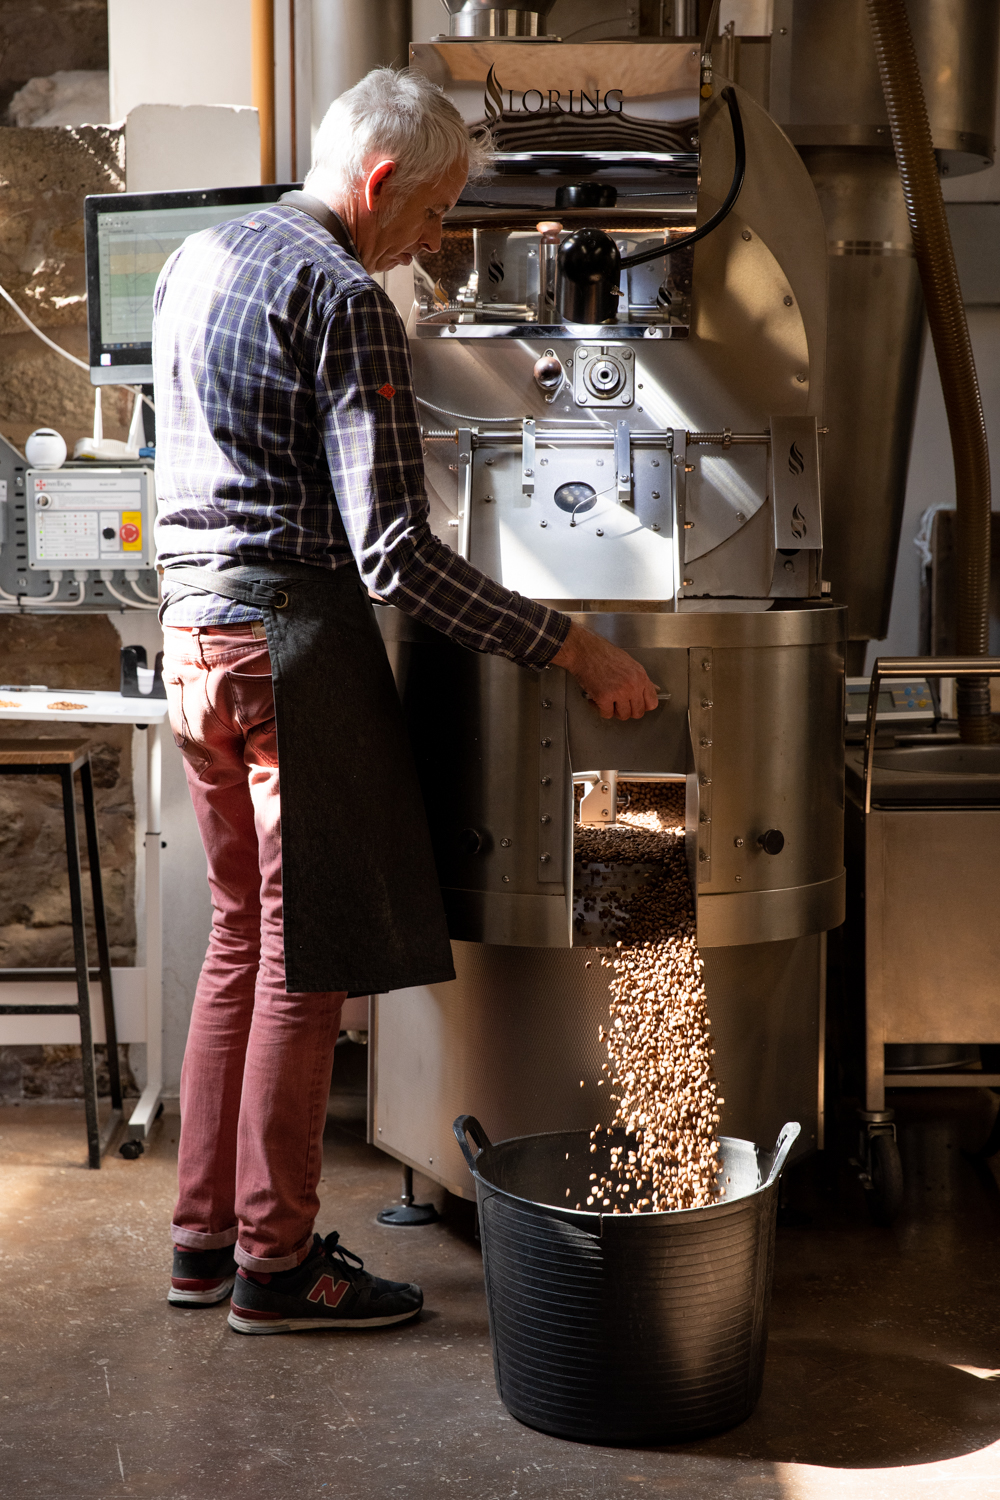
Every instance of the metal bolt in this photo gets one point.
(599, 531)
(739, 880)
(738, 843)
(543, 523)
(747, 235)
(546, 702)
(545, 818)
(655, 526)
(506, 879)
(787, 301)
(706, 665)
(546, 781)
(544, 858)
(702, 855)
(528, 473)
(706, 702)
(600, 463)
(490, 462)
(546, 744)
(789, 566)
(656, 494)
(801, 379)
(704, 743)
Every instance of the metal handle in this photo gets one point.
(916, 666)
(465, 1126)
(786, 1140)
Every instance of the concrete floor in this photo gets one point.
(882, 1374)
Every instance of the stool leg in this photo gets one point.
(82, 972)
(101, 926)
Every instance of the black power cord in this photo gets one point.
(739, 172)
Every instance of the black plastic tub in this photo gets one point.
(623, 1328)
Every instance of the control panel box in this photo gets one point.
(90, 518)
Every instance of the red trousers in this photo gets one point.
(257, 1065)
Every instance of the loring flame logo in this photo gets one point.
(799, 527)
(493, 97)
(796, 463)
(494, 269)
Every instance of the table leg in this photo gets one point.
(148, 1106)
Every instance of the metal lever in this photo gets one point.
(623, 462)
(528, 456)
(916, 666)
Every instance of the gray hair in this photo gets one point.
(400, 116)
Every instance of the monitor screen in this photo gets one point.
(129, 237)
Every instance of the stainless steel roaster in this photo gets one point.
(657, 476)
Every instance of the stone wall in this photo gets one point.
(39, 37)
(44, 177)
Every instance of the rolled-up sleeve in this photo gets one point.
(371, 434)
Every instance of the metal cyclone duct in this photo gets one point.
(483, 18)
(826, 93)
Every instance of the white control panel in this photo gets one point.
(90, 518)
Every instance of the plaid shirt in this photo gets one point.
(287, 430)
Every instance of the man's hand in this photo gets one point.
(614, 680)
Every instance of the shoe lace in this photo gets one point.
(352, 1264)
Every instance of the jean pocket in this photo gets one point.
(253, 704)
(194, 751)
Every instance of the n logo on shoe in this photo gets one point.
(329, 1292)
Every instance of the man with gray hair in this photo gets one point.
(290, 491)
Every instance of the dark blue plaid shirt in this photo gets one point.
(286, 429)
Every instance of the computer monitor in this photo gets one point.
(129, 237)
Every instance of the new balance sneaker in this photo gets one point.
(330, 1289)
(201, 1277)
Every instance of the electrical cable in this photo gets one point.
(80, 364)
(147, 601)
(739, 173)
(123, 598)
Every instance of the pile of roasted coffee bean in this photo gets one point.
(659, 1044)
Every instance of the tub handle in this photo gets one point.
(786, 1140)
(465, 1126)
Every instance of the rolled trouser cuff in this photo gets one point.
(265, 1264)
(192, 1239)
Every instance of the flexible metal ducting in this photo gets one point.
(911, 137)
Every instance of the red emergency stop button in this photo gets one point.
(129, 532)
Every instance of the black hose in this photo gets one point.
(739, 172)
(913, 143)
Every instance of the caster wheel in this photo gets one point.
(885, 1196)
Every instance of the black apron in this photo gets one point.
(360, 893)
(361, 899)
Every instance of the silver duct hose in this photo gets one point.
(911, 138)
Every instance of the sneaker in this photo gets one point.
(330, 1289)
(201, 1277)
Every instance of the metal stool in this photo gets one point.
(63, 758)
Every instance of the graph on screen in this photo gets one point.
(133, 248)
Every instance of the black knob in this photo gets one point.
(470, 841)
(108, 533)
(773, 841)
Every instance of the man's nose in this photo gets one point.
(430, 240)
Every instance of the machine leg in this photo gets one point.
(406, 1212)
(880, 1166)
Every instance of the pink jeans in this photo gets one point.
(257, 1066)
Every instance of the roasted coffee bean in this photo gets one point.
(658, 1040)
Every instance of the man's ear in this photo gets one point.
(375, 184)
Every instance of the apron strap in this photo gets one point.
(257, 592)
(325, 217)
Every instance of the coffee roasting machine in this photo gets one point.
(635, 435)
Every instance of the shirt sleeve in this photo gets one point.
(371, 434)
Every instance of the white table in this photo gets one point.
(112, 708)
